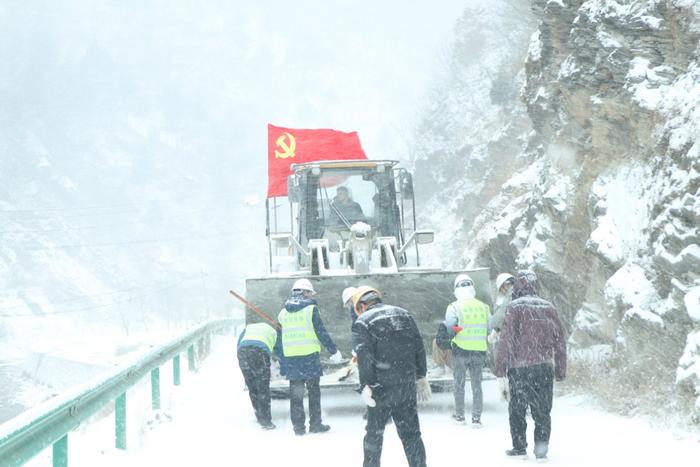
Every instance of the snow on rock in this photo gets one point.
(534, 247)
(568, 68)
(558, 194)
(612, 221)
(534, 52)
(630, 290)
(609, 41)
(620, 214)
(692, 303)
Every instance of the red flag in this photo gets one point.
(287, 146)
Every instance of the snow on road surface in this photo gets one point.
(210, 422)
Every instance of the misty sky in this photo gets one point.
(357, 65)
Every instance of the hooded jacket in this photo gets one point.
(532, 333)
(307, 366)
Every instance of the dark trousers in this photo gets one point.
(255, 366)
(400, 404)
(530, 386)
(296, 402)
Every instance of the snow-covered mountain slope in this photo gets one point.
(593, 179)
(119, 197)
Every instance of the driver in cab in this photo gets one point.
(346, 206)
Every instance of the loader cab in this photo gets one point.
(333, 198)
(331, 202)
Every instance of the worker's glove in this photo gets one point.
(504, 389)
(367, 396)
(493, 337)
(457, 329)
(337, 357)
(423, 391)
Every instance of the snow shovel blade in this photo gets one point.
(347, 375)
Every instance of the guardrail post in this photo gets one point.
(155, 388)
(120, 421)
(206, 341)
(176, 370)
(200, 349)
(190, 357)
(60, 452)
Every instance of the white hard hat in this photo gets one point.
(303, 284)
(502, 278)
(462, 278)
(348, 293)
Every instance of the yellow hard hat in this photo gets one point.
(362, 291)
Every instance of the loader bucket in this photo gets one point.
(425, 294)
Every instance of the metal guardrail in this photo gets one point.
(48, 424)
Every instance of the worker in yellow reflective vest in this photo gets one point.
(303, 333)
(467, 318)
(256, 344)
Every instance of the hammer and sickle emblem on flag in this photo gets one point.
(288, 144)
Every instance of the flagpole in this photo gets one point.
(267, 232)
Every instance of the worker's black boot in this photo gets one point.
(267, 425)
(541, 449)
(320, 428)
(516, 452)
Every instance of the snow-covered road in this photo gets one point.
(212, 424)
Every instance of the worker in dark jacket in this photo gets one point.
(303, 333)
(531, 336)
(255, 345)
(392, 364)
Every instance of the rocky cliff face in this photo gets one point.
(603, 197)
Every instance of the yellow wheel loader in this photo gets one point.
(350, 223)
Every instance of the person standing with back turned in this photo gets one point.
(468, 318)
(392, 363)
(302, 335)
(531, 335)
